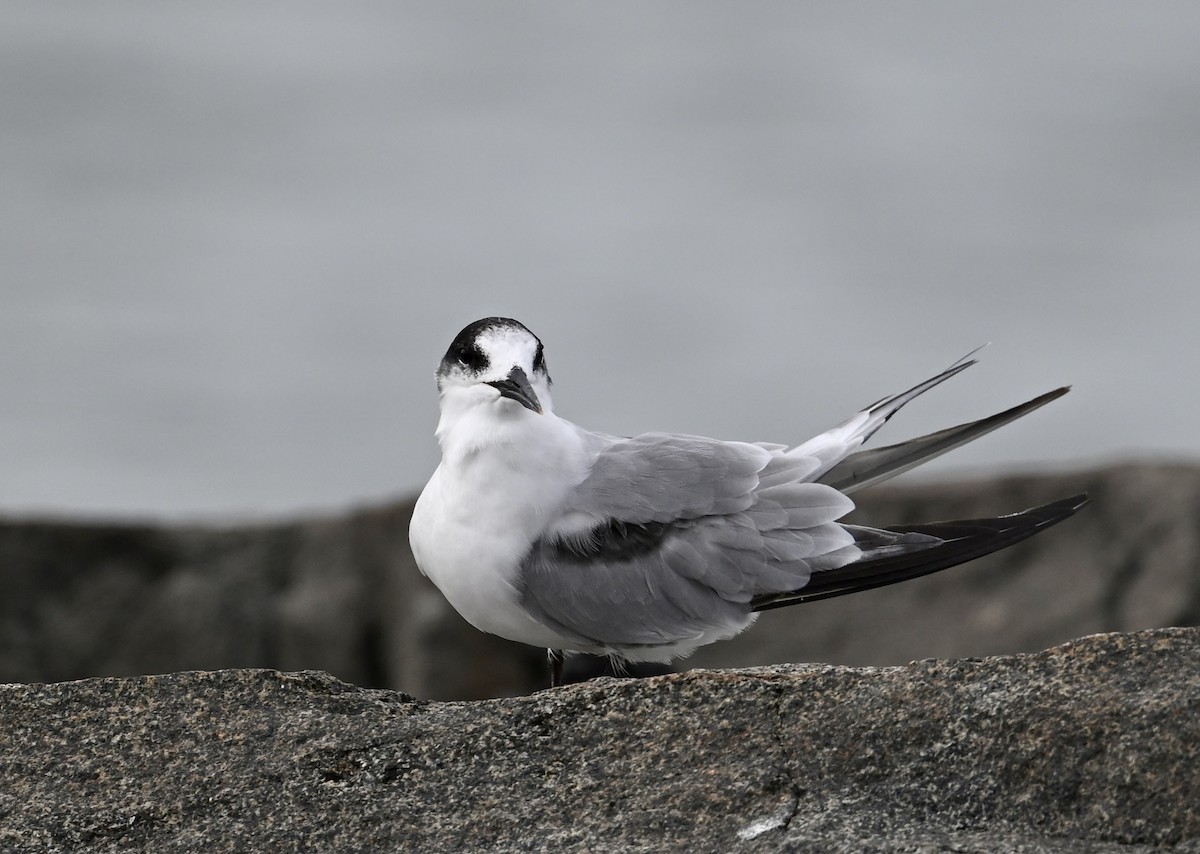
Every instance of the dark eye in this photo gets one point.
(538, 362)
(471, 358)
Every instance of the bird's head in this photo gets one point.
(496, 363)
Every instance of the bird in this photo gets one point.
(645, 548)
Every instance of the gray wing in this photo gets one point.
(671, 536)
(866, 468)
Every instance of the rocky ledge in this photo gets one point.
(1089, 746)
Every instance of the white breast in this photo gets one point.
(480, 513)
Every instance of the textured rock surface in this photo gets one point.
(342, 594)
(1092, 746)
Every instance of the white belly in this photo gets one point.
(472, 529)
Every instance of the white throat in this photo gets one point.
(476, 418)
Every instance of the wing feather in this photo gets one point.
(866, 468)
(910, 551)
(683, 537)
(663, 477)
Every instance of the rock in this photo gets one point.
(88, 599)
(342, 594)
(338, 593)
(1091, 746)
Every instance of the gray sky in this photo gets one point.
(235, 239)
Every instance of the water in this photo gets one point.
(235, 240)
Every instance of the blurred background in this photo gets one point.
(235, 239)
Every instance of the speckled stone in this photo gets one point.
(1090, 746)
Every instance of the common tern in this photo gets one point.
(645, 548)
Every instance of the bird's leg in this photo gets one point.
(556, 659)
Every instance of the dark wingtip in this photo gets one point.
(863, 468)
(1058, 510)
(963, 540)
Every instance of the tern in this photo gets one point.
(645, 548)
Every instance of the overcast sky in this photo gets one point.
(235, 239)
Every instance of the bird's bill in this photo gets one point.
(516, 387)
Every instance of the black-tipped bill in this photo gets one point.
(516, 387)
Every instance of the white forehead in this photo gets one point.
(507, 345)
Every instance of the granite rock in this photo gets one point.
(1091, 746)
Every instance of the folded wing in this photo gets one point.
(671, 536)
